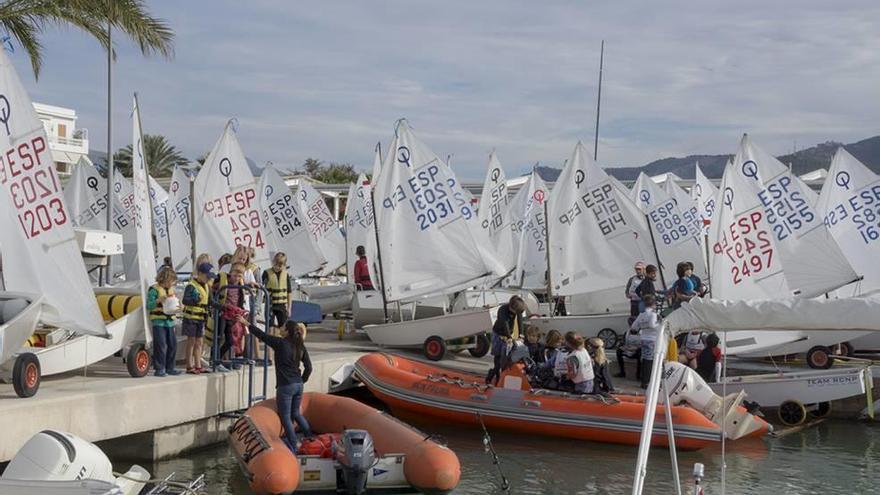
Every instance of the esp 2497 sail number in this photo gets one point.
(430, 197)
(26, 170)
(748, 247)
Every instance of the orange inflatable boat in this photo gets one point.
(366, 446)
(449, 395)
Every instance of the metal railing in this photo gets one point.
(251, 342)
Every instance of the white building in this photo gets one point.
(67, 143)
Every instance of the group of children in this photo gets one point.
(569, 362)
(230, 293)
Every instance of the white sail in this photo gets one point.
(596, 232)
(426, 243)
(159, 202)
(39, 248)
(850, 206)
(178, 221)
(530, 229)
(143, 214)
(83, 197)
(359, 224)
(226, 211)
(494, 215)
(767, 241)
(323, 226)
(377, 163)
(285, 224)
(123, 199)
(705, 194)
(675, 231)
(686, 204)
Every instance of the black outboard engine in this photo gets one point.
(356, 457)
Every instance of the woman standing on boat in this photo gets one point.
(505, 330)
(290, 354)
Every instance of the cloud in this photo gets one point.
(329, 79)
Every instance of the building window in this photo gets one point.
(62, 131)
(62, 168)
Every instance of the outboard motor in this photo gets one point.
(355, 456)
(686, 386)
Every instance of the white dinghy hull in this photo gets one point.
(484, 298)
(806, 387)
(610, 327)
(433, 333)
(16, 328)
(367, 308)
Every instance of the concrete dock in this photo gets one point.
(154, 418)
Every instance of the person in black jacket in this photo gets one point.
(506, 329)
(290, 353)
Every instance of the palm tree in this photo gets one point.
(26, 21)
(161, 157)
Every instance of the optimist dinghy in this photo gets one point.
(444, 394)
(427, 245)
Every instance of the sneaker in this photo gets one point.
(173, 372)
(223, 369)
(159, 373)
(236, 366)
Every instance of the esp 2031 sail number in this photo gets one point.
(431, 198)
(747, 246)
(25, 170)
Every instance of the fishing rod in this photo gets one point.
(490, 449)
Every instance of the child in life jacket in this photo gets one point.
(580, 366)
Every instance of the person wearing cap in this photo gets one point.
(196, 307)
(631, 285)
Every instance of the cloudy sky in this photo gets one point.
(328, 79)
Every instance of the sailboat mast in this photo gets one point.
(599, 102)
(656, 253)
(547, 246)
(109, 272)
(379, 254)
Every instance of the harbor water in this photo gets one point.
(834, 457)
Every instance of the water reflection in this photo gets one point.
(835, 457)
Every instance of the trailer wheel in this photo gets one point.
(26, 375)
(434, 348)
(481, 347)
(609, 337)
(821, 410)
(819, 358)
(138, 361)
(792, 413)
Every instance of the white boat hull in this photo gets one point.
(773, 343)
(15, 332)
(477, 298)
(367, 308)
(386, 474)
(77, 351)
(331, 298)
(806, 387)
(414, 333)
(586, 325)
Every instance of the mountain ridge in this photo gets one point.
(803, 161)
